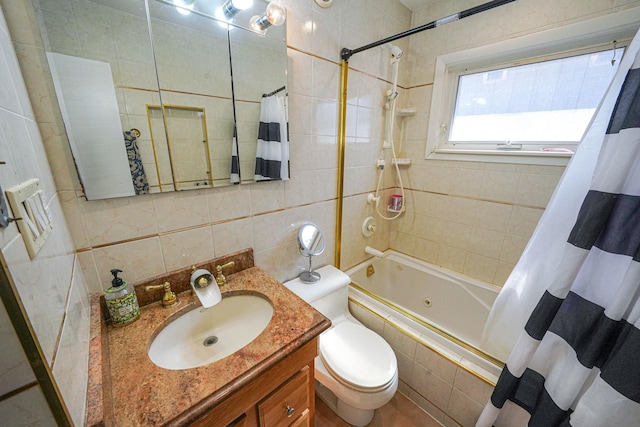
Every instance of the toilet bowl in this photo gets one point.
(356, 370)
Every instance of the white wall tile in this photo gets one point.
(187, 248)
(267, 197)
(28, 408)
(430, 386)
(182, 209)
(229, 203)
(114, 220)
(43, 285)
(435, 363)
(71, 365)
(138, 259)
(463, 409)
(268, 230)
(232, 236)
(8, 68)
(15, 370)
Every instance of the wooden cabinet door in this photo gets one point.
(287, 404)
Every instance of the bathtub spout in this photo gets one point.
(374, 252)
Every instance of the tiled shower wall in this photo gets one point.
(50, 286)
(474, 217)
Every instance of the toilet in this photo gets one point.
(356, 370)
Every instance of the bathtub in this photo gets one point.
(439, 308)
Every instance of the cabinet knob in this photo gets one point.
(290, 410)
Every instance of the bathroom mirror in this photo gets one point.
(197, 100)
(311, 243)
(166, 82)
(311, 240)
(266, 55)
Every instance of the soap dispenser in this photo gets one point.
(121, 300)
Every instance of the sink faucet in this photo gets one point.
(200, 283)
(169, 299)
(220, 279)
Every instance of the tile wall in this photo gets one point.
(474, 217)
(51, 285)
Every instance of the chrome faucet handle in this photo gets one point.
(220, 279)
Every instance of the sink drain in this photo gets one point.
(210, 341)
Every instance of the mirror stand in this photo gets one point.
(309, 276)
(311, 242)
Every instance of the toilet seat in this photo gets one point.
(358, 357)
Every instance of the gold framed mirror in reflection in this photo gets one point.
(148, 53)
(182, 154)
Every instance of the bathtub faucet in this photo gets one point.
(374, 252)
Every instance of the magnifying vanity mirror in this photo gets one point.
(311, 243)
(146, 92)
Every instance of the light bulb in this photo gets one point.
(274, 15)
(231, 7)
(184, 6)
(255, 24)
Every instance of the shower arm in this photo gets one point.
(347, 53)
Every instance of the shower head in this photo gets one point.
(396, 52)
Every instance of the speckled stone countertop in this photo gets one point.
(133, 391)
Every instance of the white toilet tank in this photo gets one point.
(329, 295)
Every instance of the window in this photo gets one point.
(542, 105)
(525, 100)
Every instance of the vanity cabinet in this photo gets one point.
(282, 396)
(286, 404)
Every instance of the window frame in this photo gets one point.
(583, 37)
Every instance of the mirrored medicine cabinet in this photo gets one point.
(154, 97)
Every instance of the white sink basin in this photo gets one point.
(205, 335)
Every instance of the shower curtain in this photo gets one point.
(272, 152)
(577, 361)
(235, 160)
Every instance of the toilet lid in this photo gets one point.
(358, 356)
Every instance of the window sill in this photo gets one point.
(501, 156)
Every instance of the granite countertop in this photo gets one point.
(136, 392)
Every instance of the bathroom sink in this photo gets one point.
(205, 335)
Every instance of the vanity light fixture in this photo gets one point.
(183, 6)
(231, 7)
(275, 14)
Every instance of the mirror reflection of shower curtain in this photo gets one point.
(576, 289)
(272, 152)
(235, 160)
(139, 178)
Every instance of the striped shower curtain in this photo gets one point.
(235, 159)
(577, 362)
(272, 153)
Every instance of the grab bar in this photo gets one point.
(374, 252)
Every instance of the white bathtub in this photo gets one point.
(439, 308)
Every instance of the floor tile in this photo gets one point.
(399, 412)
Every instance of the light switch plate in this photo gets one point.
(5, 216)
(31, 214)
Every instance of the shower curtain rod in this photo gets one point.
(347, 53)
